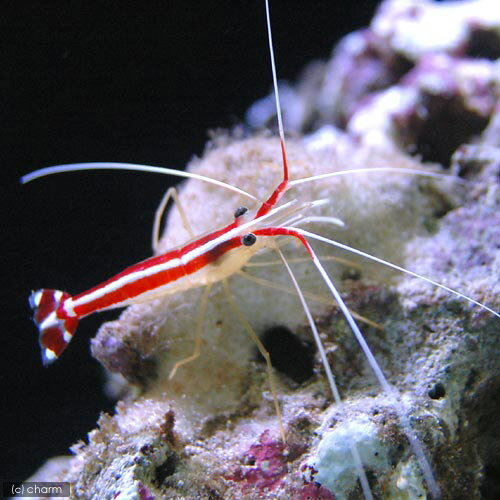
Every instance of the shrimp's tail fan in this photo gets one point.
(56, 327)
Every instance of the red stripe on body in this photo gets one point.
(133, 289)
(157, 279)
(205, 239)
(161, 259)
(212, 255)
(152, 261)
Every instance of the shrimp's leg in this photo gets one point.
(171, 193)
(263, 352)
(199, 330)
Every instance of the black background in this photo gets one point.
(113, 81)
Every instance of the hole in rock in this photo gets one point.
(289, 354)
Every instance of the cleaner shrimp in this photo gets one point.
(212, 258)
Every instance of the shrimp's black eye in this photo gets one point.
(240, 211)
(249, 239)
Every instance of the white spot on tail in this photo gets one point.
(67, 336)
(35, 299)
(50, 355)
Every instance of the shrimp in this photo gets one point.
(220, 254)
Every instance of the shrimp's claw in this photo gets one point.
(56, 327)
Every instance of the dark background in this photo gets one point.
(113, 81)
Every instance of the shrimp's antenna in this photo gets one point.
(283, 185)
(407, 171)
(276, 93)
(334, 243)
(76, 167)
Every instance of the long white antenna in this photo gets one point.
(275, 79)
(334, 243)
(77, 167)
(407, 171)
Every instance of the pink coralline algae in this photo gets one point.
(145, 493)
(265, 465)
(313, 491)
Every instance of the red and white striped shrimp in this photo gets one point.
(214, 257)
